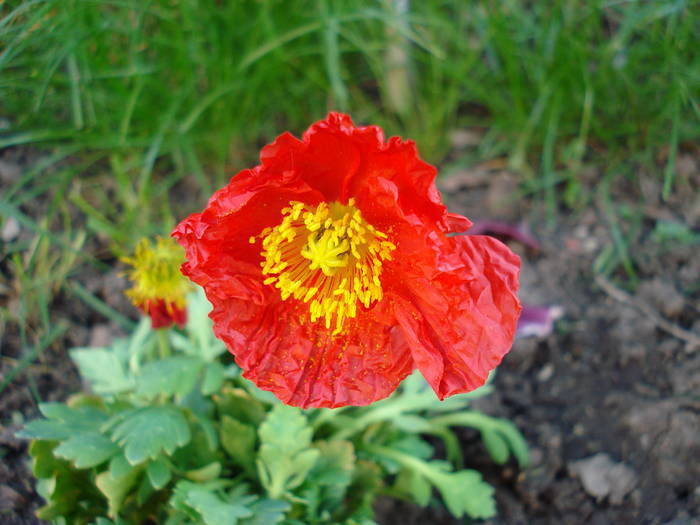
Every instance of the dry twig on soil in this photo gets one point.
(692, 339)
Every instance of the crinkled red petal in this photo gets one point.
(461, 323)
(395, 177)
(218, 253)
(305, 365)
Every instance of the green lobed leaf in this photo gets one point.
(516, 441)
(285, 456)
(68, 493)
(495, 445)
(213, 378)
(44, 463)
(364, 487)
(240, 405)
(212, 509)
(105, 369)
(466, 492)
(238, 440)
(158, 473)
(105, 521)
(209, 430)
(414, 485)
(87, 450)
(328, 480)
(147, 432)
(116, 489)
(206, 473)
(266, 512)
(45, 429)
(144, 491)
(141, 343)
(198, 452)
(171, 376)
(200, 340)
(63, 422)
(463, 491)
(119, 466)
(497, 434)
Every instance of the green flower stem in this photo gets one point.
(405, 460)
(163, 343)
(465, 419)
(384, 412)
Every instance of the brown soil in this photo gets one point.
(609, 402)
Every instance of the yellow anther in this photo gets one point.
(155, 273)
(327, 256)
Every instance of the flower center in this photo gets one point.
(156, 274)
(327, 256)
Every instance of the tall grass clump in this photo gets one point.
(200, 81)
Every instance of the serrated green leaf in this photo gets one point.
(238, 440)
(147, 432)
(140, 344)
(158, 473)
(209, 432)
(105, 521)
(506, 431)
(105, 369)
(119, 466)
(266, 512)
(414, 485)
(213, 378)
(495, 445)
(411, 423)
(63, 422)
(285, 456)
(144, 491)
(68, 492)
(116, 489)
(330, 477)
(45, 429)
(364, 487)
(516, 442)
(213, 510)
(44, 463)
(177, 500)
(466, 492)
(201, 341)
(82, 399)
(87, 450)
(171, 376)
(82, 418)
(420, 489)
(463, 491)
(205, 473)
(240, 405)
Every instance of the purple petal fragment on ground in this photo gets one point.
(537, 321)
(519, 232)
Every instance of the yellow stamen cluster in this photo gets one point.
(328, 256)
(156, 274)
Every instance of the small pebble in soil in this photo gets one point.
(602, 478)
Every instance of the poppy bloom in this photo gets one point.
(332, 275)
(159, 289)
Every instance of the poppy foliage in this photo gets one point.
(333, 274)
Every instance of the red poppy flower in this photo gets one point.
(332, 274)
